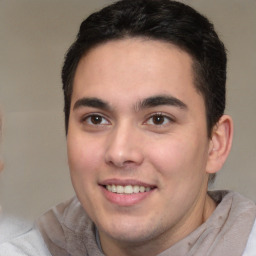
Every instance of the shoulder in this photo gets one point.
(11, 227)
(68, 215)
(65, 227)
(18, 237)
(27, 244)
(250, 249)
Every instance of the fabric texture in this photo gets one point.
(250, 249)
(11, 227)
(68, 231)
(20, 238)
(29, 243)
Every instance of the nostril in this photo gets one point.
(127, 165)
(123, 149)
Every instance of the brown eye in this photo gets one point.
(158, 119)
(96, 119)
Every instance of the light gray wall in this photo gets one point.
(35, 34)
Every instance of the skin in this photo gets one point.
(136, 117)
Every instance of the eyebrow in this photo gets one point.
(91, 102)
(160, 100)
(150, 102)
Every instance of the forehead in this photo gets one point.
(149, 66)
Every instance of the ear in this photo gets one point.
(220, 144)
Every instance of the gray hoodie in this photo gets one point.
(68, 231)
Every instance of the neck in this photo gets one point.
(202, 209)
(157, 245)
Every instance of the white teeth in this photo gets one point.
(120, 189)
(142, 189)
(113, 187)
(129, 189)
(136, 189)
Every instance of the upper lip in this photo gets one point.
(126, 182)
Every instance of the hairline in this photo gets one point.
(195, 66)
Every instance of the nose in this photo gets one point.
(124, 148)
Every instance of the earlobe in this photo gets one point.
(220, 144)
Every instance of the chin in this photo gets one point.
(131, 233)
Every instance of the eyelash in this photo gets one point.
(103, 121)
(167, 119)
(88, 119)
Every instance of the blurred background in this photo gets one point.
(34, 36)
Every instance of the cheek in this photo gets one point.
(84, 156)
(179, 157)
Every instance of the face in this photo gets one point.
(137, 141)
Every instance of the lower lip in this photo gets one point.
(125, 199)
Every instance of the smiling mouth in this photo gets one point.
(128, 189)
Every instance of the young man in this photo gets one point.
(144, 88)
